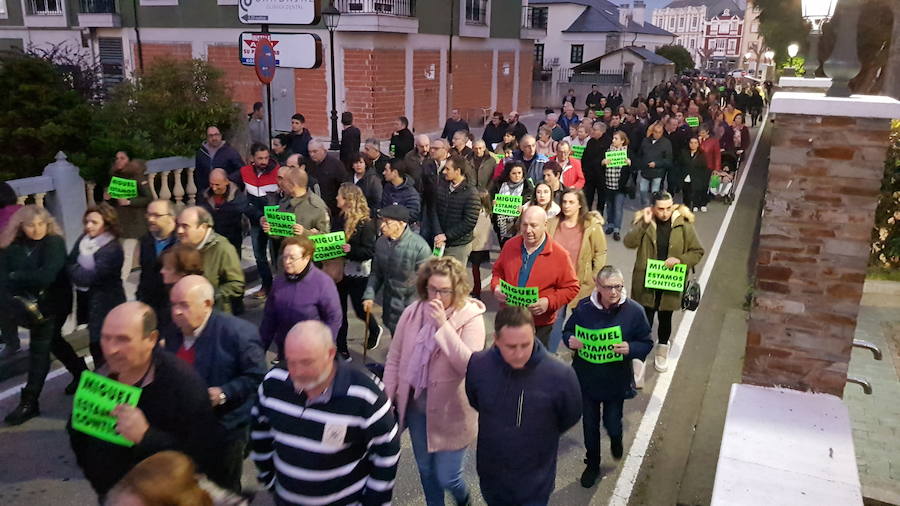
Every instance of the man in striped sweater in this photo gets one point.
(323, 431)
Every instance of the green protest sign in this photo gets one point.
(660, 277)
(393, 150)
(328, 246)
(721, 88)
(280, 223)
(438, 251)
(714, 181)
(507, 205)
(598, 344)
(497, 156)
(95, 398)
(121, 188)
(692, 121)
(616, 158)
(519, 295)
(577, 152)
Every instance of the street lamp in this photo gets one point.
(817, 12)
(332, 18)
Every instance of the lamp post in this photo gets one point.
(843, 64)
(817, 12)
(792, 50)
(769, 56)
(332, 17)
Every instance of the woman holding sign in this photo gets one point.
(511, 182)
(618, 179)
(425, 372)
(130, 201)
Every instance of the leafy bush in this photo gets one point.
(886, 235)
(677, 55)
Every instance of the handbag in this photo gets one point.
(334, 268)
(690, 297)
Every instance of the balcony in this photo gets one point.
(98, 14)
(534, 22)
(397, 16)
(45, 14)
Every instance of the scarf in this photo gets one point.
(416, 373)
(87, 247)
(509, 188)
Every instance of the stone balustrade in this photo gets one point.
(170, 178)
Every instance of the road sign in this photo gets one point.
(264, 61)
(292, 50)
(279, 12)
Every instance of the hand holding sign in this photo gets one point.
(96, 410)
(328, 246)
(660, 277)
(122, 188)
(280, 224)
(600, 346)
(131, 422)
(521, 296)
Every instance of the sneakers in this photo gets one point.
(375, 340)
(615, 446)
(661, 361)
(590, 475)
(345, 356)
(703, 209)
(695, 209)
(616, 236)
(638, 367)
(608, 231)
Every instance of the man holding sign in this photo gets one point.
(663, 232)
(173, 410)
(608, 331)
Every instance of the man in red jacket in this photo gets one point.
(534, 259)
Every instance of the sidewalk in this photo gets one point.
(876, 417)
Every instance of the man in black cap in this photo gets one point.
(398, 254)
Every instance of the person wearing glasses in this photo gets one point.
(424, 373)
(605, 386)
(302, 292)
(160, 237)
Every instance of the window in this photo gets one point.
(3, 12)
(681, 23)
(720, 44)
(732, 46)
(672, 23)
(734, 27)
(112, 60)
(723, 27)
(693, 23)
(46, 7)
(539, 55)
(692, 43)
(476, 12)
(577, 54)
(754, 26)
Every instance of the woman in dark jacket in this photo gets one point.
(359, 230)
(618, 182)
(32, 269)
(132, 222)
(696, 179)
(8, 330)
(511, 182)
(368, 180)
(94, 265)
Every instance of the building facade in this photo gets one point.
(723, 40)
(416, 58)
(689, 21)
(752, 43)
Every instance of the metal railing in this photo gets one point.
(98, 7)
(601, 77)
(46, 7)
(476, 12)
(401, 8)
(534, 18)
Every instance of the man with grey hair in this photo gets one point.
(607, 331)
(227, 353)
(338, 440)
(221, 265)
(374, 156)
(416, 159)
(328, 171)
(556, 132)
(528, 155)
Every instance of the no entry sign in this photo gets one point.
(292, 50)
(264, 61)
(279, 12)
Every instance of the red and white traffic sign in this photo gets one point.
(292, 50)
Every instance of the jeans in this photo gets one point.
(440, 470)
(556, 333)
(646, 187)
(590, 423)
(260, 242)
(354, 288)
(615, 203)
(47, 338)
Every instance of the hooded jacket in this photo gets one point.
(226, 157)
(521, 414)
(683, 244)
(659, 152)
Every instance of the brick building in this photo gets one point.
(723, 39)
(689, 20)
(417, 58)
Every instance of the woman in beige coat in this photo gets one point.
(425, 372)
(580, 232)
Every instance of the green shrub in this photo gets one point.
(886, 234)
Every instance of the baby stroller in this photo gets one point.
(727, 178)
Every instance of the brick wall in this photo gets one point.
(312, 100)
(526, 64)
(824, 179)
(426, 92)
(471, 82)
(505, 82)
(154, 52)
(241, 80)
(375, 83)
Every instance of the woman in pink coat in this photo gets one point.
(425, 372)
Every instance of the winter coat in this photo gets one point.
(455, 212)
(351, 138)
(372, 187)
(683, 245)
(362, 249)
(534, 168)
(572, 176)
(222, 267)
(695, 167)
(713, 154)
(228, 355)
(482, 239)
(299, 142)
(103, 283)
(261, 188)
(451, 421)
(592, 158)
(494, 133)
(404, 195)
(521, 415)
(452, 126)
(591, 256)
(566, 123)
(482, 171)
(415, 167)
(506, 225)
(131, 217)
(150, 289)
(393, 272)
(659, 152)
(310, 211)
(402, 142)
(38, 269)
(613, 380)
(226, 157)
(227, 218)
(552, 274)
(314, 297)
(330, 174)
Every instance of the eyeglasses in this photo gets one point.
(612, 288)
(293, 259)
(443, 292)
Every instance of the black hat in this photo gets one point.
(396, 212)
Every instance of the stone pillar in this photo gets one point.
(68, 201)
(827, 163)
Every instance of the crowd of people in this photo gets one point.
(324, 429)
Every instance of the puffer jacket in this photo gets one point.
(455, 212)
(393, 271)
(404, 195)
(591, 257)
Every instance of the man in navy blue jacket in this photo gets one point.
(604, 370)
(215, 153)
(227, 353)
(526, 400)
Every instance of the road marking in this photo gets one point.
(638, 450)
(59, 371)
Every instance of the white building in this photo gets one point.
(688, 20)
(753, 43)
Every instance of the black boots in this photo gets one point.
(615, 446)
(26, 410)
(590, 475)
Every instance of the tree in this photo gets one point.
(40, 114)
(677, 55)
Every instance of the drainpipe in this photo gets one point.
(137, 35)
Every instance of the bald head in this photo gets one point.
(192, 298)
(309, 353)
(127, 339)
(533, 226)
(218, 181)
